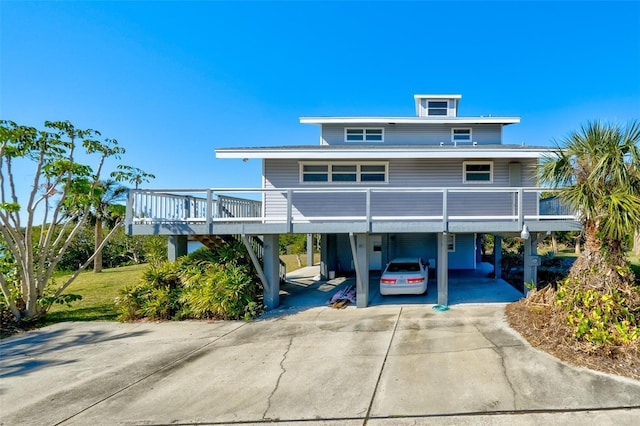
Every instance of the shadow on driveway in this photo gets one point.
(27, 352)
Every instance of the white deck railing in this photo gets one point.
(234, 205)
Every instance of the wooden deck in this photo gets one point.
(223, 211)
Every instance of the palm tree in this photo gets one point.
(106, 211)
(597, 172)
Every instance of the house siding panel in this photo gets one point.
(464, 255)
(343, 253)
(416, 134)
(414, 245)
(423, 245)
(416, 173)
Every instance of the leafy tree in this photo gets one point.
(597, 171)
(120, 250)
(60, 198)
(133, 175)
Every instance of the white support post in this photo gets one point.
(360, 252)
(443, 269)
(368, 208)
(445, 212)
(209, 208)
(530, 262)
(520, 208)
(272, 270)
(289, 209)
(270, 279)
(324, 257)
(309, 249)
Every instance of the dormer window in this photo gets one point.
(437, 108)
(364, 135)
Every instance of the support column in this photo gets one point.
(324, 257)
(176, 246)
(360, 251)
(497, 256)
(272, 271)
(531, 261)
(443, 269)
(309, 249)
(385, 251)
(478, 249)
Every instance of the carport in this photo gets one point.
(304, 288)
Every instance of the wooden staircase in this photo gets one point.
(210, 241)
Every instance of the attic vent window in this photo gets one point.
(460, 135)
(364, 135)
(437, 107)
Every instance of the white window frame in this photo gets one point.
(451, 243)
(446, 108)
(477, 182)
(453, 140)
(364, 134)
(358, 172)
(303, 173)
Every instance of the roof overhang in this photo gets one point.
(325, 152)
(410, 120)
(437, 96)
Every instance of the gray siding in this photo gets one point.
(418, 173)
(343, 253)
(413, 245)
(464, 255)
(422, 245)
(415, 134)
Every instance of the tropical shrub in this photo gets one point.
(220, 291)
(206, 284)
(602, 315)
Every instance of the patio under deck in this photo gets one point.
(305, 289)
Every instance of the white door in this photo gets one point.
(375, 252)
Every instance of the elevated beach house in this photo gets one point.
(374, 188)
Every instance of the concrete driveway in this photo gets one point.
(384, 365)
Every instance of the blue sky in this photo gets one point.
(172, 81)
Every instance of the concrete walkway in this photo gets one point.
(384, 365)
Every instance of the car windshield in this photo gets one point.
(403, 267)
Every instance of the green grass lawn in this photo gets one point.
(98, 293)
(292, 262)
